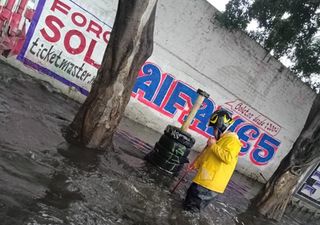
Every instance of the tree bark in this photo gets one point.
(273, 198)
(130, 45)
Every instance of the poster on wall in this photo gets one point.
(309, 189)
(66, 42)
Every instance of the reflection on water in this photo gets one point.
(44, 180)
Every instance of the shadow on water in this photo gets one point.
(61, 192)
(251, 217)
(79, 157)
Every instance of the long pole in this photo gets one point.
(202, 95)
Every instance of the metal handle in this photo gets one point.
(201, 97)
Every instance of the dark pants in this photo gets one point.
(198, 198)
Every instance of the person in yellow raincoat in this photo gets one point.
(215, 165)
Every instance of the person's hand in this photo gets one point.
(211, 141)
(191, 166)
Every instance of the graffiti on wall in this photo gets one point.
(14, 15)
(310, 187)
(66, 42)
(174, 98)
(256, 132)
(254, 117)
(162, 92)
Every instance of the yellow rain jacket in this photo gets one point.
(217, 163)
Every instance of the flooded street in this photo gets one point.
(44, 180)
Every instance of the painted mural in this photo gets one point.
(162, 92)
(67, 42)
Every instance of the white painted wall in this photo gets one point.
(195, 49)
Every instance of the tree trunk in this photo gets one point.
(273, 198)
(130, 45)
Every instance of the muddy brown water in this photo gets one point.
(44, 180)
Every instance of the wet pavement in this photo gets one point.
(44, 180)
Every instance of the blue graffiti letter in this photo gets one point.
(247, 133)
(178, 98)
(264, 150)
(149, 81)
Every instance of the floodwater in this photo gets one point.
(44, 180)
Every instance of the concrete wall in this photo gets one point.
(191, 51)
